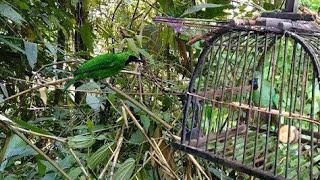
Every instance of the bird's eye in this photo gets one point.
(255, 84)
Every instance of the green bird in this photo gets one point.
(264, 96)
(103, 66)
(263, 88)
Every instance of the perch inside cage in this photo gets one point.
(253, 102)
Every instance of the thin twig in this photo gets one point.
(142, 107)
(80, 164)
(112, 20)
(134, 14)
(63, 140)
(114, 156)
(153, 144)
(52, 64)
(153, 6)
(195, 162)
(117, 151)
(38, 87)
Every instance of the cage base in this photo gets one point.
(225, 162)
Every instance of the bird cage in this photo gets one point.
(253, 101)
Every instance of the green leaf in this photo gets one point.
(22, 5)
(137, 137)
(125, 170)
(99, 156)
(13, 46)
(87, 35)
(167, 6)
(41, 168)
(145, 121)
(199, 7)
(31, 52)
(75, 172)
(132, 45)
(90, 126)
(81, 141)
(142, 174)
(147, 55)
(7, 11)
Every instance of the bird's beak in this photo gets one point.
(139, 60)
(142, 60)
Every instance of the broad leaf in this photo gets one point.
(7, 11)
(94, 102)
(75, 172)
(15, 148)
(145, 121)
(99, 156)
(90, 125)
(31, 52)
(41, 168)
(199, 7)
(81, 141)
(137, 137)
(13, 46)
(125, 170)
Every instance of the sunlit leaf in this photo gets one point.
(87, 35)
(7, 11)
(125, 170)
(31, 52)
(199, 7)
(90, 126)
(94, 102)
(43, 95)
(132, 45)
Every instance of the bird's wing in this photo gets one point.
(95, 66)
(275, 101)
